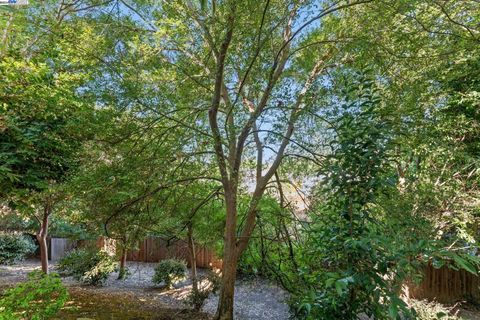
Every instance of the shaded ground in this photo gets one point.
(137, 297)
(470, 313)
(12, 274)
(105, 303)
(255, 299)
(85, 304)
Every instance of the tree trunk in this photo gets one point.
(229, 268)
(193, 258)
(42, 241)
(227, 292)
(122, 273)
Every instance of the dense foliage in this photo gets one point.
(169, 272)
(37, 144)
(39, 298)
(331, 146)
(87, 265)
(14, 247)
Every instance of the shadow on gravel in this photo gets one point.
(86, 305)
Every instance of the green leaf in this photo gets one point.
(393, 311)
(464, 264)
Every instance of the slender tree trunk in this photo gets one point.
(123, 264)
(42, 240)
(4, 45)
(193, 258)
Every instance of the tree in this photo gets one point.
(195, 99)
(43, 108)
(39, 140)
(195, 211)
(220, 64)
(431, 210)
(113, 186)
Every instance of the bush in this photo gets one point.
(124, 274)
(210, 283)
(170, 271)
(41, 297)
(14, 247)
(89, 266)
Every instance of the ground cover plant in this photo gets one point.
(40, 297)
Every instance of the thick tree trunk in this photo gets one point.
(229, 268)
(42, 241)
(227, 292)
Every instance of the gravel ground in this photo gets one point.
(256, 299)
(12, 274)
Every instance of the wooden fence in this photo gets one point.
(155, 249)
(150, 250)
(443, 285)
(58, 247)
(446, 285)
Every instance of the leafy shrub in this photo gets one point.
(196, 298)
(14, 247)
(210, 283)
(89, 266)
(431, 310)
(214, 280)
(41, 297)
(124, 273)
(170, 271)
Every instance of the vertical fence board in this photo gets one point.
(154, 249)
(151, 249)
(447, 286)
(59, 247)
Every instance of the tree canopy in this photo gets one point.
(329, 145)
